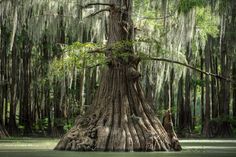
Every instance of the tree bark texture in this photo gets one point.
(119, 118)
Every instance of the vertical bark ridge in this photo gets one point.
(122, 121)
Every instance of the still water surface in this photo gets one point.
(44, 148)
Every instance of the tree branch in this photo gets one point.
(175, 62)
(190, 67)
(153, 18)
(95, 13)
(91, 4)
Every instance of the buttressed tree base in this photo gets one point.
(120, 119)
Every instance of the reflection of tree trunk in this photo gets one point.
(119, 118)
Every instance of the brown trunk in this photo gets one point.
(3, 132)
(5, 36)
(194, 105)
(59, 90)
(187, 102)
(27, 46)
(214, 84)
(119, 118)
(234, 90)
(233, 48)
(12, 128)
(225, 129)
(202, 89)
(180, 103)
(207, 94)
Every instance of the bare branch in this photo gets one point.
(100, 11)
(154, 18)
(190, 67)
(91, 4)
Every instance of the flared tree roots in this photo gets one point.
(120, 119)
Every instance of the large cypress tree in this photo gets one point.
(119, 118)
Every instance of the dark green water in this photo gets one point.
(44, 148)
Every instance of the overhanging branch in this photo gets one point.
(100, 11)
(92, 4)
(102, 50)
(190, 67)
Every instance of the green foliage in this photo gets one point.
(76, 56)
(68, 125)
(207, 23)
(42, 124)
(186, 5)
(197, 129)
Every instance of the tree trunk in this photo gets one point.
(26, 101)
(214, 84)
(225, 129)
(119, 118)
(187, 102)
(180, 103)
(12, 128)
(3, 132)
(234, 90)
(202, 89)
(206, 130)
(194, 105)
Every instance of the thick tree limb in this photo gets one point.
(190, 67)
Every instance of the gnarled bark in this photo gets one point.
(119, 119)
(3, 132)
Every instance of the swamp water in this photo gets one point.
(44, 148)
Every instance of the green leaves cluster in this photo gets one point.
(186, 5)
(207, 23)
(76, 56)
